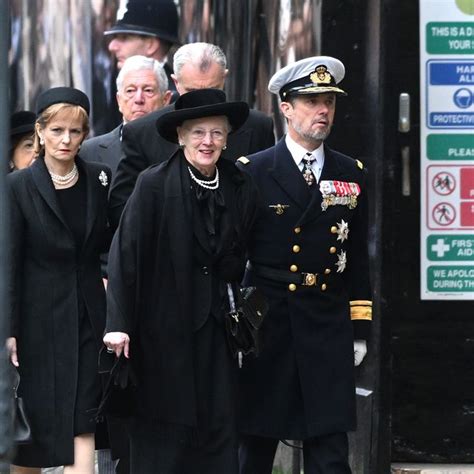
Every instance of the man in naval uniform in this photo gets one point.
(308, 254)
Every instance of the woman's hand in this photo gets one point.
(11, 348)
(117, 342)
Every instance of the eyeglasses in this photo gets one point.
(131, 92)
(198, 134)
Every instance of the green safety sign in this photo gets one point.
(450, 278)
(450, 247)
(455, 146)
(450, 37)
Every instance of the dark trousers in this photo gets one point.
(151, 455)
(326, 454)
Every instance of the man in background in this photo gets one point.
(148, 28)
(196, 66)
(142, 88)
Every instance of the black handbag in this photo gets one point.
(21, 425)
(248, 308)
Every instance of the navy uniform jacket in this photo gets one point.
(302, 385)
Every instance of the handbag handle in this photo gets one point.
(230, 294)
(235, 314)
(16, 380)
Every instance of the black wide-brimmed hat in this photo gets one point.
(201, 103)
(149, 18)
(62, 95)
(22, 122)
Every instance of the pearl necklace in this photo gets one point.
(66, 179)
(212, 184)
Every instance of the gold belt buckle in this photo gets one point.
(310, 279)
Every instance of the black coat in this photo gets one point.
(171, 84)
(302, 385)
(46, 278)
(150, 291)
(142, 146)
(104, 149)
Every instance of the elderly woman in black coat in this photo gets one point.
(22, 127)
(181, 238)
(59, 227)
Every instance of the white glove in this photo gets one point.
(360, 350)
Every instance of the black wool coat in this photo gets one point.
(302, 385)
(149, 293)
(47, 280)
(142, 147)
(104, 149)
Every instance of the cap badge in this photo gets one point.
(320, 75)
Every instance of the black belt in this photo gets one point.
(285, 276)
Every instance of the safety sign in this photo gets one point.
(450, 197)
(442, 247)
(446, 149)
(450, 94)
(443, 183)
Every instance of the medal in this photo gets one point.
(338, 193)
(342, 230)
(341, 261)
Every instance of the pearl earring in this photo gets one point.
(41, 141)
(181, 144)
(224, 147)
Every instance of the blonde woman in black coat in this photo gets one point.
(59, 227)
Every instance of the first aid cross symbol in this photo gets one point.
(440, 248)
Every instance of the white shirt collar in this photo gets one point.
(298, 153)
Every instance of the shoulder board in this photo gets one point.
(244, 160)
(360, 164)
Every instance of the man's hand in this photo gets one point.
(360, 350)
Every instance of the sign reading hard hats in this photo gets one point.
(450, 94)
(447, 149)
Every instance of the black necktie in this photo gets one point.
(307, 170)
